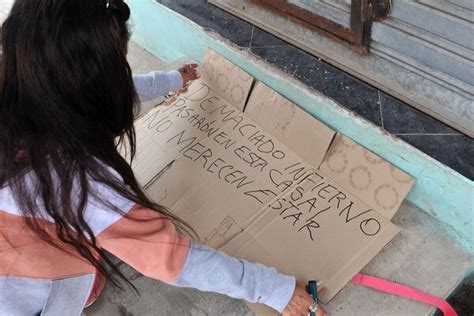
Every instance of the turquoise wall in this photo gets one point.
(439, 190)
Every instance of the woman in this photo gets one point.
(67, 100)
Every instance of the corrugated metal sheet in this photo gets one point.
(335, 10)
(438, 34)
(434, 39)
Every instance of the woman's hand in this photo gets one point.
(189, 73)
(300, 303)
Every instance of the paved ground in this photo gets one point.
(4, 8)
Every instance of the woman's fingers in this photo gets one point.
(301, 301)
(320, 312)
(185, 88)
(189, 73)
(189, 68)
(320, 286)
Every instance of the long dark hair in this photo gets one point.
(67, 101)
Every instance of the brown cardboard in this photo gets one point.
(229, 81)
(372, 179)
(225, 180)
(220, 205)
(226, 175)
(375, 181)
(290, 124)
(195, 114)
(318, 230)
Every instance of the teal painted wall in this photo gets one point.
(439, 190)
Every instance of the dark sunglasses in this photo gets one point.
(120, 8)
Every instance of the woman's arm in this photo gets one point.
(157, 84)
(209, 270)
(151, 245)
(148, 242)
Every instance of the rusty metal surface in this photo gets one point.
(363, 12)
(358, 35)
(269, 6)
(358, 17)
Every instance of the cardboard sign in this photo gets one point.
(371, 178)
(256, 190)
(317, 230)
(291, 125)
(229, 81)
(192, 116)
(228, 178)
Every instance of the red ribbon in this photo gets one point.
(404, 291)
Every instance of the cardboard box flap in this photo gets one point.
(143, 167)
(193, 195)
(232, 180)
(290, 124)
(317, 230)
(228, 179)
(229, 81)
(369, 177)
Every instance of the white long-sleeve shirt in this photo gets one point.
(154, 86)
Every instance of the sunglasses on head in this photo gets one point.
(120, 8)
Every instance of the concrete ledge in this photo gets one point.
(440, 191)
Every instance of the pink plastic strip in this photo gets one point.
(404, 291)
